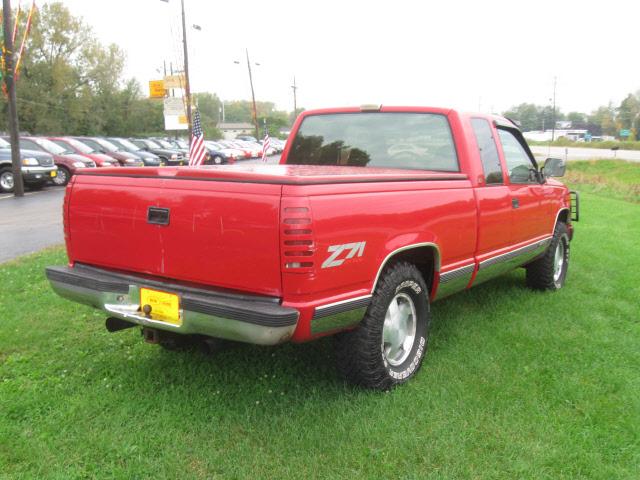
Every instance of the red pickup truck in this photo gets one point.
(373, 213)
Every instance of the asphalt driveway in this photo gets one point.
(30, 223)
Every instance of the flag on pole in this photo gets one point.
(265, 142)
(197, 150)
(24, 39)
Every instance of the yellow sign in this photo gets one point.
(182, 119)
(174, 81)
(161, 306)
(157, 89)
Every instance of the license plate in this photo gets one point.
(54, 173)
(165, 307)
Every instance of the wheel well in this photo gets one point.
(563, 216)
(425, 258)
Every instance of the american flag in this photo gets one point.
(197, 151)
(265, 143)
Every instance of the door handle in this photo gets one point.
(515, 203)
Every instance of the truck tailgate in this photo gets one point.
(218, 233)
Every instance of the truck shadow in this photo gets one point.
(301, 369)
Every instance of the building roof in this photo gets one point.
(235, 126)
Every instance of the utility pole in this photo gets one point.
(187, 90)
(253, 96)
(295, 102)
(553, 126)
(9, 79)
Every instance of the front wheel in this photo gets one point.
(549, 272)
(63, 176)
(217, 160)
(6, 180)
(388, 346)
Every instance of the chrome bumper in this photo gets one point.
(244, 318)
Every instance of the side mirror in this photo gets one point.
(554, 167)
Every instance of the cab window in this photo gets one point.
(488, 151)
(520, 168)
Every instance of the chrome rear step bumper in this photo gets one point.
(220, 314)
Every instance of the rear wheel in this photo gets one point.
(549, 272)
(63, 176)
(6, 180)
(388, 346)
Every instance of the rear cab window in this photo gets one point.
(416, 141)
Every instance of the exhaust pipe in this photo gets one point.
(116, 324)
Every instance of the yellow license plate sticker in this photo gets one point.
(165, 307)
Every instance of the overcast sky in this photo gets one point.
(476, 55)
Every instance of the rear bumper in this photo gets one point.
(245, 318)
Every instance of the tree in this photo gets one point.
(604, 118)
(210, 108)
(628, 112)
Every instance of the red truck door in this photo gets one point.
(493, 196)
(528, 220)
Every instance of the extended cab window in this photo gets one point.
(519, 164)
(488, 151)
(420, 141)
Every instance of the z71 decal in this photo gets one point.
(337, 256)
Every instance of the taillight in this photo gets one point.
(65, 217)
(296, 228)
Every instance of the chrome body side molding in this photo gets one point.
(339, 315)
(494, 266)
(454, 280)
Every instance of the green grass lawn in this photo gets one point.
(516, 384)
(612, 178)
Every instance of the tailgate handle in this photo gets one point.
(158, 216)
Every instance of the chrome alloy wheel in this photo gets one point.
(558, 261)
(62, 177)
(6, 181)
(399, 329)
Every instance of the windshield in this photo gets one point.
(128, 145)
(4, 143)
(419, 141)
(182, 144)
(79, 145)
(51, 147)
(110, 147)
(151, 144)
(165, 144)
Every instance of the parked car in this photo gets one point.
(37, 168)
(246, 153)
(219, 155)
(66, 161)
(75, 146)
(247, 138)
(341, 238)
(149, 159)
(124, 158)
(172, 145)
(170, 156)
(237, 153)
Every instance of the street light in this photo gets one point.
(253, 95)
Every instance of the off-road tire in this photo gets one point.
(541, 272)
(359, 353)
